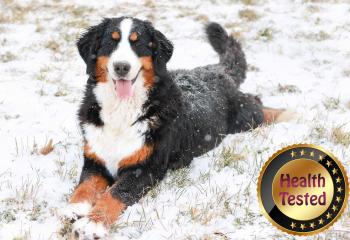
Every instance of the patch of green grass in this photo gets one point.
(266, 34)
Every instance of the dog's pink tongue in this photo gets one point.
(123, 88)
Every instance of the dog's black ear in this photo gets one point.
(89, 43)
(161, 46)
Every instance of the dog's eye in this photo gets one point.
(116, 35)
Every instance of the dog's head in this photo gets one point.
(124, 50)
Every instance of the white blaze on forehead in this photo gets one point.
(124, 52)
(125, 28)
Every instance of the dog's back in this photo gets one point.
(213, 106)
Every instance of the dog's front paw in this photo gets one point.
(74, 211)
(86, 229)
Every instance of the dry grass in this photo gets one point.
(28, 190)
(318, 36)
(326, 1)
(219, 204)
(180, 177)
(288, 88)
(336, 134)
(253, 68)
(47, 148)
(61, 93)
(149, 4)
(202, 18)
(340, 136)
(318, 131)
(7, 216)
(249, 2)
(52, 45)
(7, 57)
(65, 172)
(229, 158)
(66, 229)
(248, 15)
(331, 103)
(346, 72)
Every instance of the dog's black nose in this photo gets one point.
(121, 68)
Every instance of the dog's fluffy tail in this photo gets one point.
(231, 55)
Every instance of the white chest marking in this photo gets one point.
(119, 137)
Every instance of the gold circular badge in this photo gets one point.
(302, 189)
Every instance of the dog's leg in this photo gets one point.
(130, 186)
(250, 113)
(275, 115)
(93, 182)
(271, 114)
(247, 112)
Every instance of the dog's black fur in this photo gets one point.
(188, 111)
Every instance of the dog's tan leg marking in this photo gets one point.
(107, 209)
(89, 190)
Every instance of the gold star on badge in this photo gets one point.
(312, 225)
(338, 199)
(329, 215)
(338, 179)
(302, 226)
(312, 154)
(329, 163)
(292, 154)
(335, 208)
(293, 225)
(320, 222)
(302, 152)
(334, 171)
(339, 189)
(320, 157)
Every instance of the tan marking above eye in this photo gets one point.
(133, 36)
(116, 35)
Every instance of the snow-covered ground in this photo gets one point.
(298, 54)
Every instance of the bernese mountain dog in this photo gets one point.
(138, 119)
